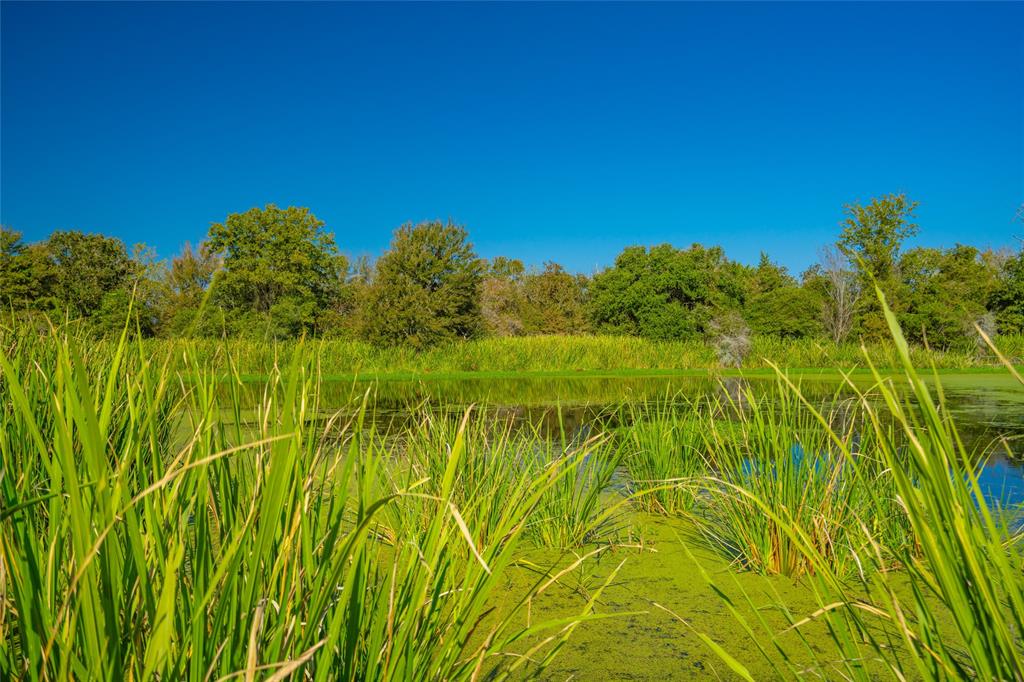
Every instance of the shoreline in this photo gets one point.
(655, 373)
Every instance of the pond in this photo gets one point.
(988, 408)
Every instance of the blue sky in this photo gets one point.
(559, 132)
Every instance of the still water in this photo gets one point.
(988, 409)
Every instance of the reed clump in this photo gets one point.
(747, 468)
(665, 456)
(954, 609)
(160, 522)
(791, 488)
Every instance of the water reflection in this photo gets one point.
(987, 408)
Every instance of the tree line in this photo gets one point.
(277, 273)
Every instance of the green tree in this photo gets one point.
(664, 292)
(187, 282)
(344, 317)
(872, 235)
(786, 312)
(502, 267)
(943, 294)
(769, 276)
(554, 301)
(426, 288)
(88, 268)
(1007, 297)
(16, 285)
(280, 269)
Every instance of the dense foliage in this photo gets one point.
(278, 273)
(426, 287)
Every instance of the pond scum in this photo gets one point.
(157, 523)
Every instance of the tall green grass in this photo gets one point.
(503, 461)
(955, 609)
(778, 464)
(164, 518)
(554, 354)
(155, 527)
(665, 455)
(575, 510)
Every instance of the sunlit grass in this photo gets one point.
(664, 456)
(162, 518)
(151, 531)
(955, 607)
(778, 465)
(551, 354)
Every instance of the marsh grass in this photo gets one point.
(149, 531)
(665, 455)
(777, 464)
(551, 354)
(955, 609)
(165, 518)
(575, 511)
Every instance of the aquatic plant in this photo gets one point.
(955, 609)
(664, 455)
(154, 528)
(574, 510)
(776, 467)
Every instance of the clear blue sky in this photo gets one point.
(558, 132)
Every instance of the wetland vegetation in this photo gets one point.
(262, 461)
(165, 516)
(684, 388)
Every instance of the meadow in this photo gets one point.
(212, 511)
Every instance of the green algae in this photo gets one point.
(658, 602)
(660, 580)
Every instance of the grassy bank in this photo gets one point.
(550, 356)
(598, 353)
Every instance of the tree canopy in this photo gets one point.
(280, 268)
(271, 272)
(872, 236)
(426, 287)
(664, 292)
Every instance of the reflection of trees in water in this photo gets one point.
(581, 406)
(575, 410)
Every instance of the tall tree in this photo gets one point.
(27, 274)
(872, 235)
(944, 293)
(789, 312)
(769, 276)
(344, 317)
(554, 301)
(281, 268)
(15, 274)
(1007, 298)
(501, 297)
(426, 288)
(187, 282)
(664, 292)
(87, 269)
